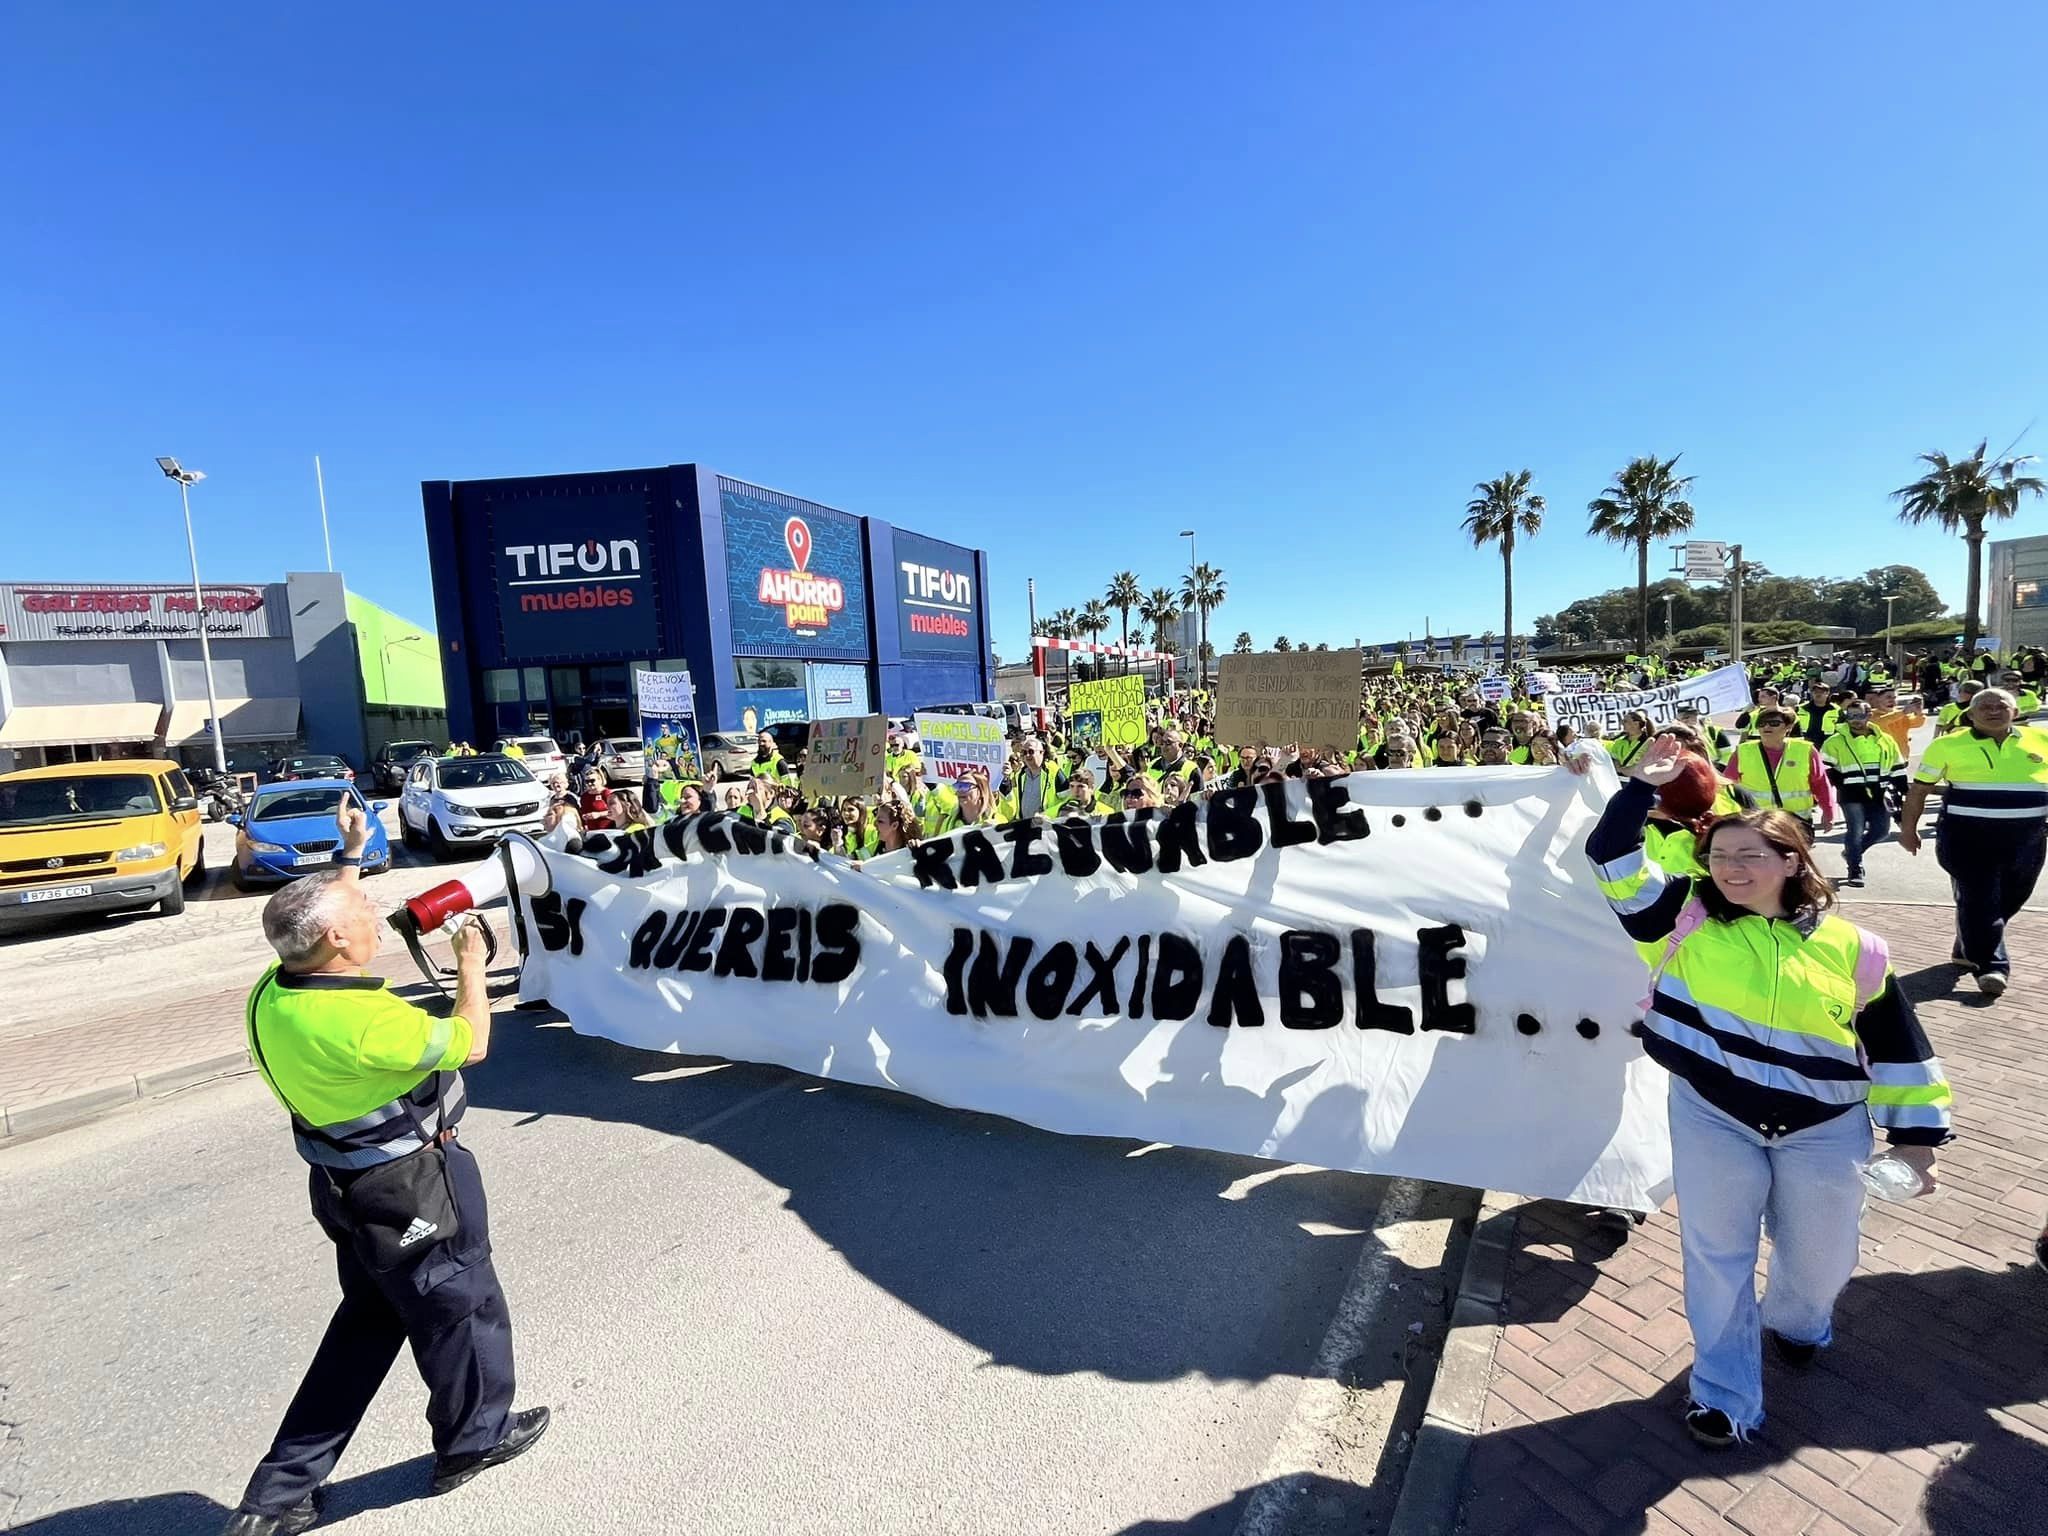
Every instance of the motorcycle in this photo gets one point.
(219, 795)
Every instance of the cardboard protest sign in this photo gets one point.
(951, 744)
(1278, 697)
(1599, 714)
(845, 756)
(667, 708)
(1362, 973)
(1120, 701)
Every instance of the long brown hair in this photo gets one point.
(1807, 887)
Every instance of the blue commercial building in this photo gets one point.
(550, 590)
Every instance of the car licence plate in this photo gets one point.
(56, 892)
(313, 858)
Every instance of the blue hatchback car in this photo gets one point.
(288, 830)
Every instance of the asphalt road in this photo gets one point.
(756, 1302)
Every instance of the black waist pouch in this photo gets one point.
(402, 1210)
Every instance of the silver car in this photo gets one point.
(733, 751)
(623, 759)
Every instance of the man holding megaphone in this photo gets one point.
(374, 1090)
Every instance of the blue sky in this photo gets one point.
(1059, 280)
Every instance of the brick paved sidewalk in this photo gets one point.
(1930, 1413)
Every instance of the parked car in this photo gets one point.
(451, 802)
(542, 755)
(623, 759)
(99, 837)
(288, 830)
(388, 767)
(733, 751)
(310, 765)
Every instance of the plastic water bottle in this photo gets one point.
(1890, 1177)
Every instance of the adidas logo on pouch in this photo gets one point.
(420, 1228)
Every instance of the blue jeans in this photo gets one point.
(1863, 823)
(1806, 1190)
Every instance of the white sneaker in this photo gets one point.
(1991, 983)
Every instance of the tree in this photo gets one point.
(1201, 592)
(1093, 621)
(1160, 610)
(1283, 644)
(1064, 625)
(1322, 645)
(1242, 645)
(1646, 505)
(1961, 495)
(1500, 510)
(1124, 594)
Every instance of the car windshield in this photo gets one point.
(303, 764)
(624, 744)
(298, 802)
(541, 744)
(406, 751)
(38, 802)
(482, 773)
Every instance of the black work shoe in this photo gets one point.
(302, 1516)
(1710, 1426)
(452, 1472)
(1795, 1354)
(1955, 957)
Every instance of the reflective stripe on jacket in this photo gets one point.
(1780, 1023)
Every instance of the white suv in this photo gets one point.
(450, 801)
(541, 755)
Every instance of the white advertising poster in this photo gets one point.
(1402, 973)
(951, 744)
(1599, 714)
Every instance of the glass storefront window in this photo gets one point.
(501, 685)
(767, 672)
(2028, 594)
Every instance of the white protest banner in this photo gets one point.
(845, 756)
(1287, 697)
(951, 744)
(1400, 973)
(1493, 687)
(1599, 714)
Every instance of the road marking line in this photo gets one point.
(1284, 1479)
(743, 1106)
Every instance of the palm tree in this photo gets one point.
(1064, 625)
(1160, 609)
(1964, 494)
(1499, 511)
(1646, 504)
(1201, 591)
(1242, 645)
(1094, 619)
(1124, 594)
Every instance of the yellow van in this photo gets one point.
(98, 837)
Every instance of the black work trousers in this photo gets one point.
(1992, 864)
(448, 1306)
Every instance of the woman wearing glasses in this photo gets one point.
(1786, 1036)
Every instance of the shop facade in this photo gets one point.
(550, 591)
(94, 670)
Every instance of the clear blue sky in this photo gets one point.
(1058, 282)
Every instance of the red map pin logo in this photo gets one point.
(796, 533)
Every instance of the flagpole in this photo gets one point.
(320, 480)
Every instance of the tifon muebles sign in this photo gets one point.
(938, 608)
(82, 611)
(575, 577)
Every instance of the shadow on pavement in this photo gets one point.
(193, 1514)
(1936, 1360)
(1049, 1253)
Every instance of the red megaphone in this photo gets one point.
(516, 862)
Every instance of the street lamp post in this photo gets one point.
(1668, 596)
(1891, 644)
(1201, 667)
(186, 478)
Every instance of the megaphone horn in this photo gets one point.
(483, 885)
